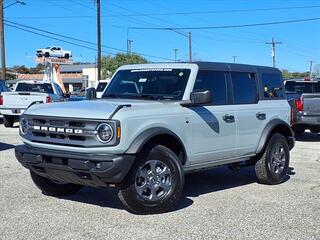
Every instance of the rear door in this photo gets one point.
(214, 127)
(249, 116)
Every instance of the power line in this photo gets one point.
(54, 38)
(183, 13)
(78, 40)
(230, 26)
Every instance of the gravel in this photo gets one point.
(216, 204)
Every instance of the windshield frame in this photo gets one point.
(191, 71)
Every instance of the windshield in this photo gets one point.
(101, 86)
(30, 87)
(302, 87)
(160, 83)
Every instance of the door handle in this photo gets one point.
(261, 116)
(228, 118)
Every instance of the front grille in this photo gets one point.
(70, 132)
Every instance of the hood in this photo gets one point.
(93, 109)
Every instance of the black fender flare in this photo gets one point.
(267, 131)
(148, 134)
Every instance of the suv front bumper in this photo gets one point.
(98, 170)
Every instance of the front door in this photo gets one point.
(214, 126)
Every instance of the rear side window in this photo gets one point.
(215, 82)
(244, 87)
(272, 85)
(29, 87)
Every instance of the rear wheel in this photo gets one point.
(47, 54)
(53, 188)
(8, 121)
(155, 182)
(273, 165)
(66, 56)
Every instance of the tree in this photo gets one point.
(316, 71)
(286, 74)
(110, 64)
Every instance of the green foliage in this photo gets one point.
(286, 74)
(110, 64)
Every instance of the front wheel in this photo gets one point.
(273, 165)
(155, 182)
(51, 188)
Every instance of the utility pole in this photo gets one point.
(99, 40)
(273, 45)
(129, 46)
(310, 71)
(234, 58)
(190, 46)
(175, 54)
(3, 53)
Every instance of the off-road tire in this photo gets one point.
(130, 197)
(46, 54)
(50, 188)
(8, 121)
(264, 173)
(66, 56)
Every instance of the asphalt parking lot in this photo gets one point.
(216, 204)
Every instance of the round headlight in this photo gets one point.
(104, 132)
(23, 126)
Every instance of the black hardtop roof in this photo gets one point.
(220, 66)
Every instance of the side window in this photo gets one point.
(215, 82)
(58, 49)
(244, 87)
(272, 85)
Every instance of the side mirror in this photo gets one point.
(201, 98)
(91, 94)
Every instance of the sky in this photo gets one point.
(77, 19)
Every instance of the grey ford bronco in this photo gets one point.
(154, 124)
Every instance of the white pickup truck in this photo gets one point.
(25, 94)
(54, 51)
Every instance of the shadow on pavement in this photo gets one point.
(308, 137)
(5, 146)
(196, 184)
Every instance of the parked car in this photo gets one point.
(3, 86)
(26, 93)
(54, 51)
(101, 87)
(155, 123)
(304, 97)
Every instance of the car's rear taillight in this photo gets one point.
(48, 99)
(299, 104)
(1, 100)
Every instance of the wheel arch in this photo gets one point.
(161, 136)
(275, 126)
